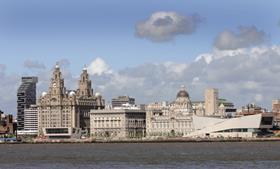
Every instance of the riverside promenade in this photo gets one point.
(159, 140)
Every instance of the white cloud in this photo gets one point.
(195, 81)
(242, 76)
(246, 36)
(208, 58)
(164, 26)
(258, 97)
(9, 84)
(251, 85)
(64, 62)
(99, 67)
(32, 64)
(175, 67)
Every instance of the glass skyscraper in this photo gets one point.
(26, 96)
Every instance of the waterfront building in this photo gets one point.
(240, 127)
(60, 109)
(174, 119)
(126, 122)
(87, 100)
(30, 121)
(211, 102)
(225, 108)
(26, 96)
(276, 110)
(199, 108)
(119, 101)
(6, 124)
(250, 109)
(62, 133)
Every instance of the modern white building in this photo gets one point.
(30, 121)
(62, 133)
(242, 127)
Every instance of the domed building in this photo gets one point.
(170, 120)
(183, 101)
(62, 110)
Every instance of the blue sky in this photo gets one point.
(82, 30)
(115, 38)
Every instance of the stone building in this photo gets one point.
(120, 100)
(60, 108)
(6, 124)
(174, 119)
(251, 109)
(87, 100)
(119, 123)
(211, 102)
(199, 108)
(225, 108)
(276, 110)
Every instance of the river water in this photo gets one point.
(261, 155)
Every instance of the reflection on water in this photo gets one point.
(146, 155)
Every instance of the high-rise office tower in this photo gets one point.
(26, 96)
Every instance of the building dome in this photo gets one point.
(44, 94)
(97, 94)
(183, 93)
(85, 68)
(72, 93)
(56, 65)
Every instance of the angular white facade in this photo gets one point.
(31, 119)
(245, 126)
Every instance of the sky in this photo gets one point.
(146, 49)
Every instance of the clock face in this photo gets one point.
(54, 84)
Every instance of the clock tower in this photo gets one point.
(57, 83)
(85, 85)
(60, 108)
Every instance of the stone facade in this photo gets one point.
(276, 111)
(61, 108)
(86, 100)
(173, 119)
(120, 100)
(211, 102)
(118, 123)
(225, 108)
(6, 124)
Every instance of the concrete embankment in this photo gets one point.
(169, 140)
